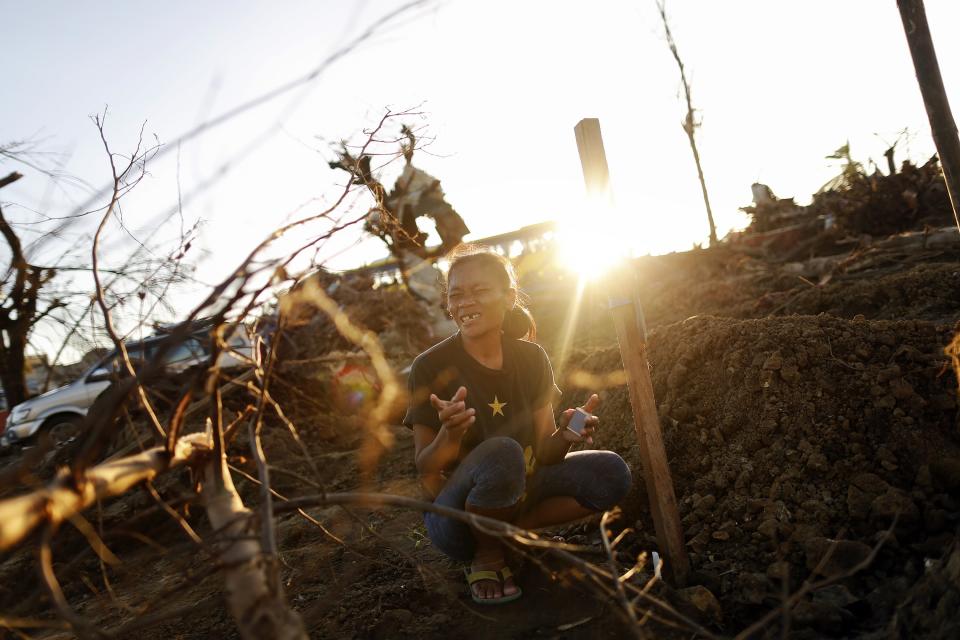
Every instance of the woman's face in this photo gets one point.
(477, 300)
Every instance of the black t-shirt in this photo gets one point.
(504, 399)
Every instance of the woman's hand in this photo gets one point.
(590, 425)
(455, 417)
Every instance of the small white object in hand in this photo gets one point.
(578, 421)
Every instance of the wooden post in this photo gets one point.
(942, 124)
(631, 334)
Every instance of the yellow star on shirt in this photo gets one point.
(497, 406)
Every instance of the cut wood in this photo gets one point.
(631, 335)
(63, 498)
(259, 608)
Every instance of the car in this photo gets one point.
(60, 412)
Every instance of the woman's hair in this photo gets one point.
(518, 322)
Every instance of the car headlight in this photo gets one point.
(19, 414)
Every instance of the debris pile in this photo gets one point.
(881, 205)
(850, 210)
(801, 446)
(402, 324)
(415, 194)
(787, 437)
(322, 373)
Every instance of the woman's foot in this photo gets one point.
(492, 588)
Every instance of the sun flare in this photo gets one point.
(590, 245)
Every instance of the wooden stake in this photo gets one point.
(942, 125)
(631, 335)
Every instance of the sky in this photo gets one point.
(496, 85)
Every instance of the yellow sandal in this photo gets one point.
(500, 576)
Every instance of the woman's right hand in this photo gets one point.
(455, 417)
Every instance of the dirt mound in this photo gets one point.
(402, 324)
(784, 434)
(924, 291)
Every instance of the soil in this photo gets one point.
(784, 434)
(810, 418)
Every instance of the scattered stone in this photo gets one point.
(836, 594)
(891, 504)
(790, 373)
(890, 373)
(846, 555)
(946, 472)
(699, 541)
(858, 503)
(817, 461)
(870, 483)
(901, 389)
(774, 362)
(924, 479)
(675, 379)
(934, 520)
(886, 402)
(820, 615)
(754, 588)
(804, 531)
(704, 601)
(438, 621)
(397, 616)
(705, 504)
(769, 528)
(944, 401)
(392, 623)
(779, 570)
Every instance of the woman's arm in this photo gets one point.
(553, 443)
(552, 446)
(435, 449)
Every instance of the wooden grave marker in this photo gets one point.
(631, 335)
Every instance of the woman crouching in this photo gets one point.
(486, 440)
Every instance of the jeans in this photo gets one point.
(493, 476)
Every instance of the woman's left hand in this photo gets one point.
(590, 425)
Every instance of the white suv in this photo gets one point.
(60, 411)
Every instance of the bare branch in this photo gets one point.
(107, 318)
(689, 124)
(63, 498)
(256, 605)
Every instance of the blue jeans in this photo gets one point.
(493, 476)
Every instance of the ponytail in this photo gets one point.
(518, 324)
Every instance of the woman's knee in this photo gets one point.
(611, 480)
(498, 475)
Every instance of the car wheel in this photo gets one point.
(64, 430)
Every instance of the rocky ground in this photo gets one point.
(785, 435)
(810, 418)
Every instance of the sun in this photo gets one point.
(591, 244)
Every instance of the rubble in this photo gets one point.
(808, 408)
